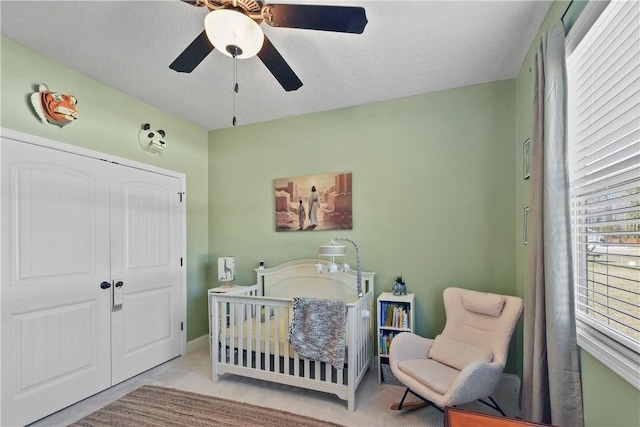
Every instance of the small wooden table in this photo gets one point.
(454, 417)
(225, 289)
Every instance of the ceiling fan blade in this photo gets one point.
(343, 19)
(193, 54)
(270, 56)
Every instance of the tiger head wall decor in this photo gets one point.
(54, 107)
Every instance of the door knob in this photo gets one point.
(105, 285)
(119, 284)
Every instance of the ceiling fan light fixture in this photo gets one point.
(233, 32)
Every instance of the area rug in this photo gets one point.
(168, 407)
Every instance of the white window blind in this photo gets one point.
(603, 72)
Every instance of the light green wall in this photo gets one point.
(433, 190)
(608, 400)
(109, 122)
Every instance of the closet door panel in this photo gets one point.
(146, 221)
(148, 316)
(55, 254)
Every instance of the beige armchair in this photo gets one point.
(465, 362)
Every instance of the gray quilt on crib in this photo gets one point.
(318, 329)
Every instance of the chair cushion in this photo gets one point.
(435, 375)
(457, 354)
(480, 302)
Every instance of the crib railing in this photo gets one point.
(248, 337)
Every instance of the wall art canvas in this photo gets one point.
(314, 202)
(526, 159)
(226, 268)
(525, 226)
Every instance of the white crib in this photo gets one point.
(249, 327)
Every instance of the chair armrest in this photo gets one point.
(476, 381)
(407, 346)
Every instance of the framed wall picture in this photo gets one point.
(226, 269)
(525, 226)
(314, 202)
(526, 163)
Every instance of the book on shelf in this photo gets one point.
(385, 342)
(395, 315)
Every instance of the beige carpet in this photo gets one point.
(169, 407)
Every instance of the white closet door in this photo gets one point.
(146, 224)
(55, 254)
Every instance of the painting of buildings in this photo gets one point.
(314, 202)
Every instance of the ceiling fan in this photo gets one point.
(233, 27)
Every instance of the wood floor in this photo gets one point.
(192, 372)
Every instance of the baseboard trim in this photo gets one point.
(198, 343)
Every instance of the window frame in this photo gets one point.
(592, 337)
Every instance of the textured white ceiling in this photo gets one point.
(407, 48)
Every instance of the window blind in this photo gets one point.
(603, 73)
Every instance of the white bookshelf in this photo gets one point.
(395, 315)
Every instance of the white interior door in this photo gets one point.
(146, 226)
(55, 255)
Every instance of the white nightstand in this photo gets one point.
(221, 290)
(225, 289)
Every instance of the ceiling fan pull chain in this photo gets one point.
(235, 85)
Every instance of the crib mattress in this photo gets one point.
(245, 335)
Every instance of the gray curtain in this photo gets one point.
(551, 385)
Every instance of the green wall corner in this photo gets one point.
(433, 191)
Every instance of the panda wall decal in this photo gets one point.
(151, 140)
